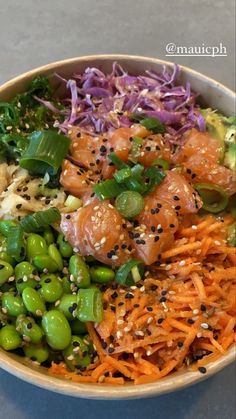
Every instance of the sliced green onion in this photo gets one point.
(137, 171)
(34, 222)
(127, 274)
(231, 235)
(134, 185)
(135, 150)
(123, 174)
(161, 163)
(90, 307)
(72, 203)
(5, 226)
(129, 204)
(154, 125)
(15, 243)
(45, 153)
(214, 198)
(154, 177)
(108, 189)
(117, 161)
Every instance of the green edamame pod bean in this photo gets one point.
(55, 255)
(48, 236)
(80, 271)
(5, 226)
(65, 248)
(68, 306)
(43, 262)
(78, 327)
(51, 288)
(66, 283)
(26, 326)
(56, 329)
(35, 245)
(13, 304)
(6, 270)
(9, 338)
(7, 258)
(101, 274)
(38, 353)
(33, 302)
(76, 354)
(24, 272)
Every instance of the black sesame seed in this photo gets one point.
(125, 356)
(123, 246)
(159, 321)
(190, 321)
(172, 226)
(162, 300)
(128, 295)
(176, 198)
(153, 228)
(180, 344)
(29, 326)
(75, 344)
(47, 280)
(149, 308)
(153, 211)
(103, 149)
(104, 344)
(114, 295)
(202, 370)
(203, 307)
(113, 308)
(111, 337)
(68, 217)
(120, 303)
(136, 305)
(178, 207)
(18, 206)
(164, 292)
(38, 287)
(189, 171)
(78, 135)
(153, 287)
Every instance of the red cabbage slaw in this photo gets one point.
(99, 103)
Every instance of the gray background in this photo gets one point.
(33, 33)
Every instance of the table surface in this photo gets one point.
(35, 33)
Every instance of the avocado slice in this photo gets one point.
(216, 127)
(230, 157)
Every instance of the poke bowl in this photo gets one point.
(117, 227)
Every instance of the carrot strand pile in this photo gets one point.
(181, 315)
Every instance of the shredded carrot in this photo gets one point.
(184, 307)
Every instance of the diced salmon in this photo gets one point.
(176, 191)
(153, 148)
(199, 169)
(155, 231)
(86, 149)
(76, 180)
(98, 230)
(120, 141)
(202, 143)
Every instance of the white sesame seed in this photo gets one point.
(12, 278)
(199, 335)
(4, 310)
(70, 357)
(195, 318)
(136, 355)
(149, 320)
(38, 313)
(142, 289)
(114, 257)
(57, 303)
(217, 243)
(148, 352)
(139, 333)
(119, 334)
(195, 311)
(194, 227)
(182, 263)
(101, 379)
(204, 325)
(103, 240)
(120, 321)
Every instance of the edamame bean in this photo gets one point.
(6, 270)
(26, 326)
(78, 327)
(68, 306)
(48, 236)
(35, 245)
(56, 329)
(76, 354)
(38, 353)
(13, 304)
(33, 302)
(51, 288)
(80, 271)
(101, 274)
(65, 248)
(23, 274)
(66, 283)
(9, 338)
(55, 255)
(5, 226)
(43, 262)
(7, 258)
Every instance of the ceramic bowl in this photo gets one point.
(212, 94)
